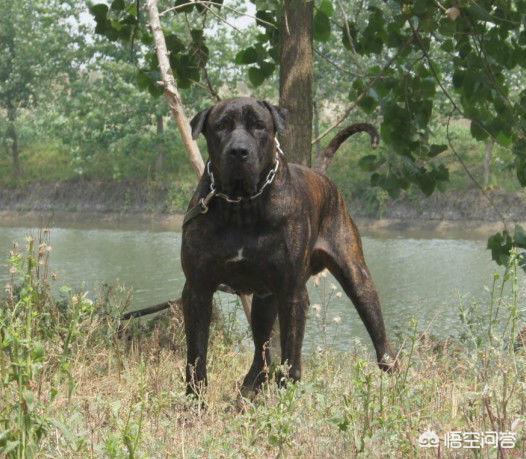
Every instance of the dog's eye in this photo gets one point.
(222, 125)
(258, 125)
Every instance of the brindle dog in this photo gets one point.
(269, 245)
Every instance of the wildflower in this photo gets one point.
(316, 307)
(324, 273)
(338, 294)
(333, 287)
(337, 320)
(54, 276)
(86, 300)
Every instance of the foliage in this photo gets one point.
(37, 335)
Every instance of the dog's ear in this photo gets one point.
(279, 115)
(198, 123)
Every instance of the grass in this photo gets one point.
(74, 383)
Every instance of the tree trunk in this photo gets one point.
(12, 135)
(488, 153)
(161, 154)
(296, 74)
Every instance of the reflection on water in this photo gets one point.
(422, 278)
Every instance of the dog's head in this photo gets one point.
(240, 136)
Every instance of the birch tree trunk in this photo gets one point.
(171, 92)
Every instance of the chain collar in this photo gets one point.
(270, 178)
(202, 206)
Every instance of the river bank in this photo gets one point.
(141, 205)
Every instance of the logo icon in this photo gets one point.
(428, 439)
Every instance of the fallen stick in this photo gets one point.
(150, 309)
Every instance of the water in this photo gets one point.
(424, 277)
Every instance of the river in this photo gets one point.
(418, 275)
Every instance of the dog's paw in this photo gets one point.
(388, 363)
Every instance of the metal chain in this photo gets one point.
(270, 178)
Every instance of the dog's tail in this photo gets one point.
(326, 155)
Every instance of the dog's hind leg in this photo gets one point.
(263, 316)
(341, 252)
(292, 314)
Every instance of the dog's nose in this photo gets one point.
(239, 153)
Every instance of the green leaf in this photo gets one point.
(257, 75)
(435, 150)
(427, 183)
(477, 131)
(326, 7)
(500, 245)
(368, 104)
(174, 43)
(322, 27)
(421, 7)
(447, 46)
(247, 56)
(504, 139)
(100, 11)
(117, 5)
(197, 35)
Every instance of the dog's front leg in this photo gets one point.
(197, 310)
(292, 310)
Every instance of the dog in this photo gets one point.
(263, 226)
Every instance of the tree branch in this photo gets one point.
(171, 92)
(203, 2)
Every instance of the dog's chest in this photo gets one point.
(249, 261)
(251, 248)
